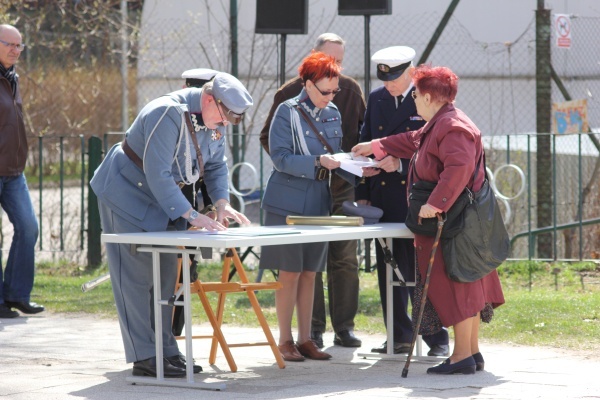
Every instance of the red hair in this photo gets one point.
(317, 66)
(440, 82)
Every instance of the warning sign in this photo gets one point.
(562, 29)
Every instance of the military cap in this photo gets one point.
(392, 61)
(370, 214)
(197, 77)
(232, 94)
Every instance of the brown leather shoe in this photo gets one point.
(310, 350)
(289, 351)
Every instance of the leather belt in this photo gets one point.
(138, 161)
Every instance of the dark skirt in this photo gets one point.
(292, 257)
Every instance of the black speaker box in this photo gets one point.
(282, 16)
(364, 7)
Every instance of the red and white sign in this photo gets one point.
(562, 28)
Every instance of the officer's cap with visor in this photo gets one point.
(232, 96)
(197, 77)
(392, 61)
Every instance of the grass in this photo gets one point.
(555, 305)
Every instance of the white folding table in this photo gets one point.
(171, 242)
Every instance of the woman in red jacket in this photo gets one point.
(447, 151)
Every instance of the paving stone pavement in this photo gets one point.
(57, 356)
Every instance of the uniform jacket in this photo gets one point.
(13, 139)
(151, 197)
(450, 146)
(387, 190)
(351, 105)
(292, 188)
(349, 101)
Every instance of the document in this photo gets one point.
(354, 164)
(249, 231)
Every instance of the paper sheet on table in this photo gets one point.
(248, 231)
(354, 164)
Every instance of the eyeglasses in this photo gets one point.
(329, 92)
(16, 46)
(414, 94)
(233, 118)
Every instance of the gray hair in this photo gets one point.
(328, 37)
(208, 87)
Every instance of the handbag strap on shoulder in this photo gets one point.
(314, 128)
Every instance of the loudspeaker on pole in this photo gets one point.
(364, 7)
(282, 17)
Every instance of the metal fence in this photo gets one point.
(59, 191)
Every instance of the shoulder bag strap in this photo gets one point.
(314, 128)
(188, 122)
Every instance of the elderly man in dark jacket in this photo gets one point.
(391, 109)
(17, 282)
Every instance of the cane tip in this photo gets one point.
(405, 372)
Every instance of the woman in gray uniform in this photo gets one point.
(304, 133)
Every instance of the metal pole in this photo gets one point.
(234, 71)
(124, 71)
(438, 32)
(543, 123)
(367, 55)
(282, 62)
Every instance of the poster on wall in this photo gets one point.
(570, 117)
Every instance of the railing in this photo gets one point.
(69, 223)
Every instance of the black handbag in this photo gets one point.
(482, 245)
(454, 221)
(420, 191)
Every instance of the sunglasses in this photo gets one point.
(233, 118)
(329, 92)
(414, 95)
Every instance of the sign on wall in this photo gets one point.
(570, 117)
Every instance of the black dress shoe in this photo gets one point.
(399, 348)
(25, 307)
(317, 337)
(439, 350)
(179, 362)
(346, 338)
(148, 368)
(479, 362)
(6, 312)
(465, 367)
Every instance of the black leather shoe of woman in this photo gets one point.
(465, 367)
(148, 368)
(479, 361)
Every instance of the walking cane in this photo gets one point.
(440, 225)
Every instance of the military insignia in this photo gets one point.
(197, 126)
(313, 112)
(216, 135)
(331, 119)
(416, 118)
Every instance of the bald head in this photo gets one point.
(9, 53)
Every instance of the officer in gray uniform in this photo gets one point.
(139, 190)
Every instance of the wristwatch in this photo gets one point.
(318, 162)
(193, 215)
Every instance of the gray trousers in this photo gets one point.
(132, 284)
(342, 273)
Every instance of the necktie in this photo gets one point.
(398, 101)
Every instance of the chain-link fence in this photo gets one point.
(497, 90)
